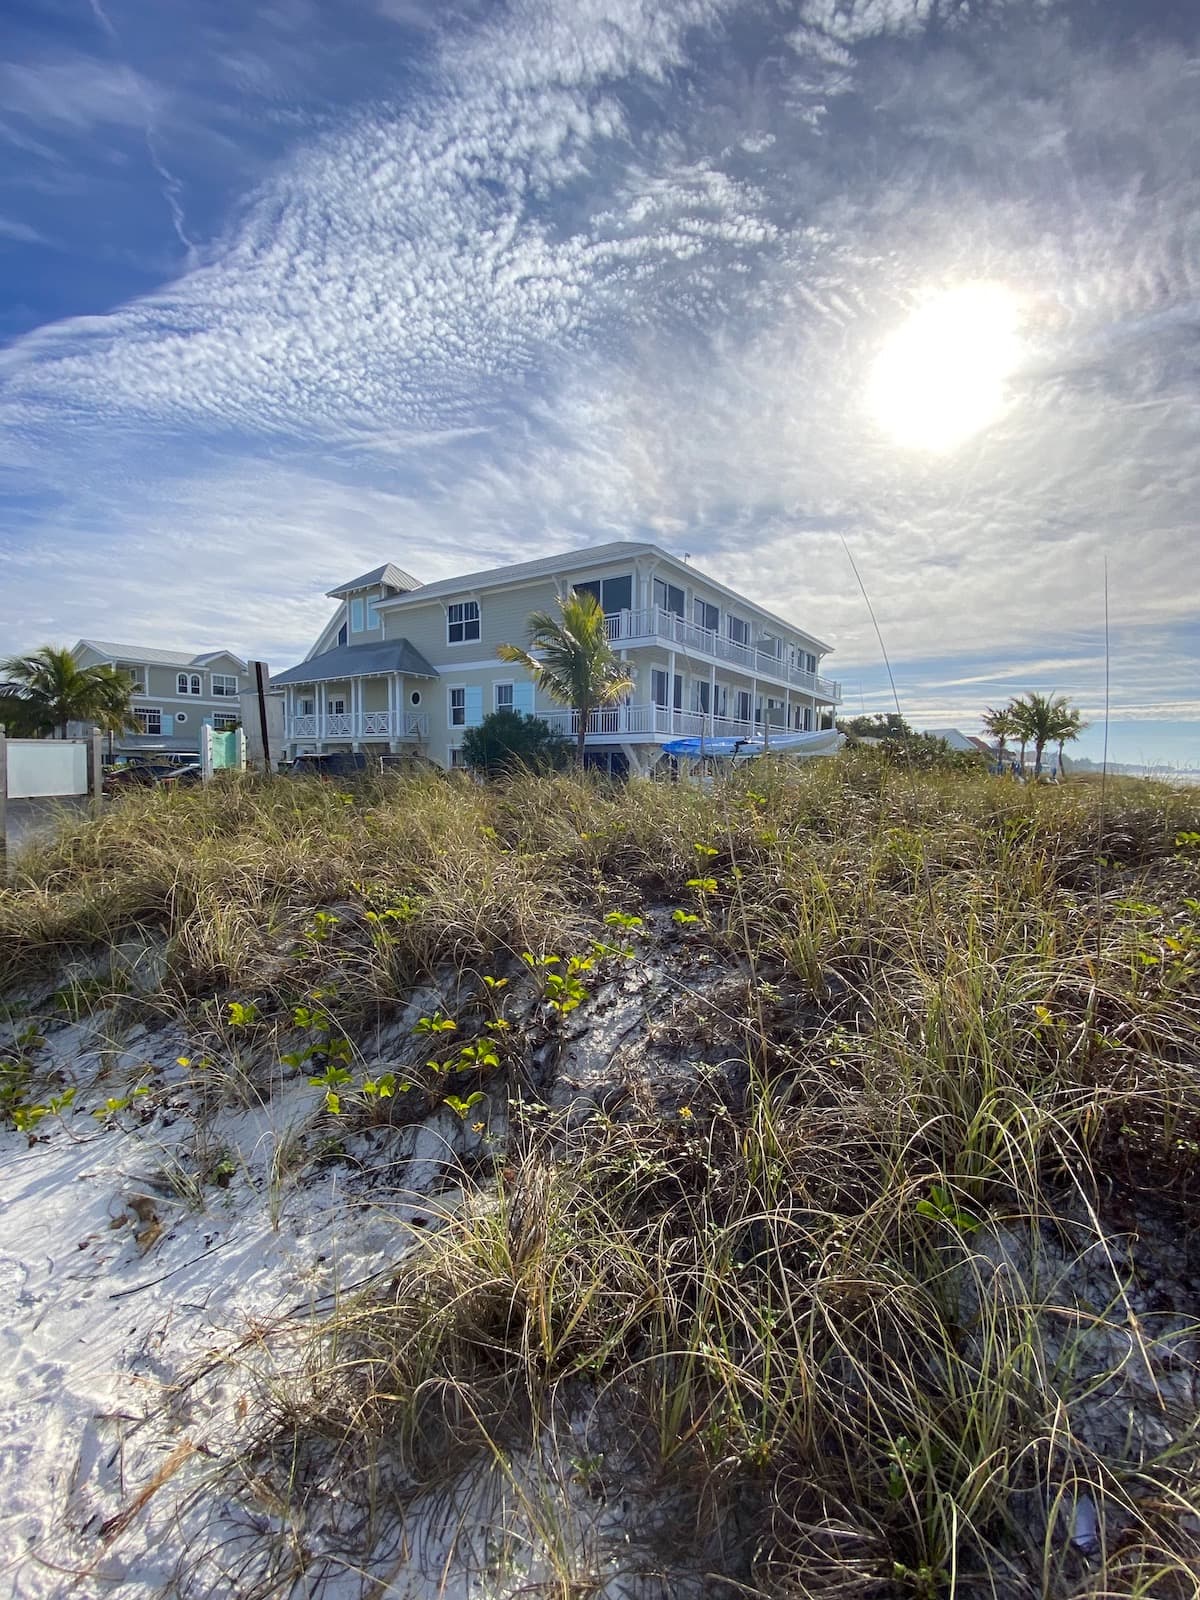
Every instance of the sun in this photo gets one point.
(942, 376)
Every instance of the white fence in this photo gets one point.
(46, 768)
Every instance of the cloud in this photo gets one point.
(621, 269)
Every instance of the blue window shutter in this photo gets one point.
(474, 705)
(523, 698)
(168, 722)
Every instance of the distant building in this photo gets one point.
(958, 740)
(175, 694)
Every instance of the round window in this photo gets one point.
(415, 697)
(181, 716)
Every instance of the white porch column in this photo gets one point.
(355, 713)
(671, 691)
(787, 710)
(712, 698)
(321, 690)
(753, 706)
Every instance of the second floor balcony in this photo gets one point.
(656, 625)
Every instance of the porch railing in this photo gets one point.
(405, 725)
(651, 721)
(629, 627)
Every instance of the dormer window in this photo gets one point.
(373, 618)
(343, 634)
(356, 616)
(462, 622)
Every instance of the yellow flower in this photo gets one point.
(686, 1113)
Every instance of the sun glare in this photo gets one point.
(941, 377)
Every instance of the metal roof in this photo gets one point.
(359, 661)
(585, 556)
(156, 658)
(395, 577)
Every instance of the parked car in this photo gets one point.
(330, 764)
(134, 775)
(181, 777)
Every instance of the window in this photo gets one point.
(458, 708)
(415, 698)
(336, 708)
(356, 616)
(701, 700)
(372, 612)
(739, 630)
(181, 716)
(196, 684)
(148, 719)
(343, 634)
(181, 683)
(504, 696)
(668, 597)
(225, 721)
(658, 687)
(808, 719)
(462, 622)
(223, 685)
(810, 663)
(456, 756)
(706, 616)
(307, 708)
(742, 705)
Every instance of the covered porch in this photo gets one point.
(356, 696)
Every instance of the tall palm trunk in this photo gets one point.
(1039, 746)
(584, 712)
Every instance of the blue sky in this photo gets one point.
(293, 288)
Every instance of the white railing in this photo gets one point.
(650, 721)
(409, 725)
(629, 627)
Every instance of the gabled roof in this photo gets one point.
(359, 661)
(156, 658)
(393, 576)
(581, 559)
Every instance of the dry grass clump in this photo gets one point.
(881, 1286)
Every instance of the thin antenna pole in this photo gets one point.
(1103, 768)
(874, 623)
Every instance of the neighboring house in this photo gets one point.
(408, 666)
(956, 739)
(176, 692)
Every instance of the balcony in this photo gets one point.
(651, 722)
(408, 726)
(656, 625)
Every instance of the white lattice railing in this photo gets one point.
(407, 725)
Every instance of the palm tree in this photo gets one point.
(574, 661)
(1070, 726)
(1002, 724)
(49, 689)
(1040, 719)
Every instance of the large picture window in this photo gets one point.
(462, 622)
(739, 630)
(613, 594)
(224, 684)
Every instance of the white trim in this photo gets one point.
(450, 689)
(192, 701)
(502, 683)
(583, 561)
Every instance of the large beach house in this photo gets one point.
(404, 666)
(175, 692)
